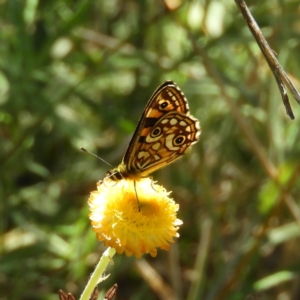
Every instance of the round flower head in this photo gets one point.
(134, 216)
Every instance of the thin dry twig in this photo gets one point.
(281, 77)
(155, 281)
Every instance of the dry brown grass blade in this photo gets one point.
(155, 281)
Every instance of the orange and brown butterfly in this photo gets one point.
(164, 133)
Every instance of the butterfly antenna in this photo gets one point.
(84, 150)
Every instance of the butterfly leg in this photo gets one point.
(105, 181)
(152, 184)
(137, 198)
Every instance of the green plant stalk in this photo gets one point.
(97, 274)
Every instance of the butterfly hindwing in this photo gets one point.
(169, 138)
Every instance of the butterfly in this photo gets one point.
(164, 133)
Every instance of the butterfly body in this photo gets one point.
(164, 133)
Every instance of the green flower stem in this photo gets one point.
(97, 274)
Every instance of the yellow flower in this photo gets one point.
(117, 221)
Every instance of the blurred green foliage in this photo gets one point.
(79, 73)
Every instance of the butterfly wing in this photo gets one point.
(167, 141)
(166, 104)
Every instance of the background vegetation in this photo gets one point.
(79, 73)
